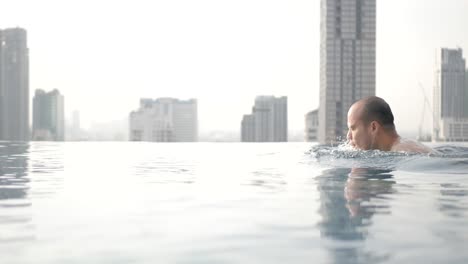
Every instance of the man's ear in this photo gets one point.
(374, 125)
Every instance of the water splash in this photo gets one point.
(445, 159)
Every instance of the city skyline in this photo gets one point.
(274, 49)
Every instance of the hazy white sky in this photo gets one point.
(105, 55)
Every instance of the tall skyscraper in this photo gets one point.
(451, 97)
(48, 116)
(347, 62)
(165, 120)
(14, 85)
(268, 121)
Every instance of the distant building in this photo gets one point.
(165, 120)
(14, 85)
(248, 128)
(311, 126)
(48, 116)
(347, 62)
(451, 129)
(268, 121)
(451, 97)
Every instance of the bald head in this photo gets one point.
(374, 108)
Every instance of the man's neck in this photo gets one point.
(388, 140)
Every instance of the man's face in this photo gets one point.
(359, 133)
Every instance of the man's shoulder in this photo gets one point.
(408, 145)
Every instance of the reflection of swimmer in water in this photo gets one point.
(370, 123)
(348, 200)
(362, 185)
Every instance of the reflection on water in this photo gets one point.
(453, 203)
(349, 198)
(451, 200)
(15, 215)
(399, 188)
(13, 170)
(365, 191)
(89, 202)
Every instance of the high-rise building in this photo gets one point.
(165, 120)
(48, 116)
(14, 85)
(311, 126)
(268, 121)
(451, 97)
(248, 128)
(347, 62)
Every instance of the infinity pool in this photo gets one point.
(84, 202)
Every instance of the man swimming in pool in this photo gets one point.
(370, 124)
